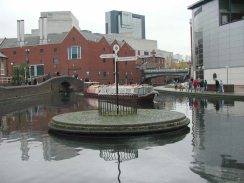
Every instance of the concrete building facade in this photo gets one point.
(56, 22)
(218, 40)
(178, 58)
(123, 21)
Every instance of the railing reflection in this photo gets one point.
(119, 155)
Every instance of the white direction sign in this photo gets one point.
(107, 56)
(126, 58)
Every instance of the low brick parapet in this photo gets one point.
(55, 84)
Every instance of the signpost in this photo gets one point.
(116, 50)
(107, 56)
(126, 58)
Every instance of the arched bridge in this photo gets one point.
(149, 74)
(65, 84)
(55, 84)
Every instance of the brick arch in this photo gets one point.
(66, 83)
(55, 84)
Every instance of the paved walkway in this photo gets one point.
(238, 92)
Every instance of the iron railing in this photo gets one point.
(117, 105)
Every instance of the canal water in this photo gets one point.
(210, 149)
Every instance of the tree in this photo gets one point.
(183, 65)
(20, 71)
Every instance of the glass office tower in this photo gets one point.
(122, 21)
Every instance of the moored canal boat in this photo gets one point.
(144, 92)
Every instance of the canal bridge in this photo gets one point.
(54, 84)
(149, 74)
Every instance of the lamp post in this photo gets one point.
(227, 67)
(12, 65)
(25, 72)
(18, 82)
(27, 51)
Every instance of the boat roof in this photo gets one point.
(127, 86)
(91, 82)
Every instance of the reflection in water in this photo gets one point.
(117, 144)
(218, 143)
(24, 146)
(120, 156)
(216, 133)
(120, 149)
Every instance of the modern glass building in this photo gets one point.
(122, 21)
(218, 40)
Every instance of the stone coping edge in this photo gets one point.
(110, 129)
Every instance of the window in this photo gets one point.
(125, 62)
(14, 52)
(104, 74)
(103, 49)
(104, 60)
(55, 50)
(197, 12)
(55, 60)
(42, 61)
(39, 70)
(74, 52)
(146, 53)
(41, 51)
(231, 11)
(2, 71)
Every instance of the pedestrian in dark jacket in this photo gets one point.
(205, 85)
(190, 86)
(201, 84)
(216, 85)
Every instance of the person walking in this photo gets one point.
(35, 81)
(44, 77)
(195, 84)
(190, 85)
(201, 84)
(217, 85)
(205, 85)
(221, 86)
(176, 85)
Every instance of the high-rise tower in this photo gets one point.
(123, 21)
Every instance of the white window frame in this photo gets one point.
(70, 52)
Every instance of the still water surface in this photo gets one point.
(211, 149)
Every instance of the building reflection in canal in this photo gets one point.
(216, 132)
(217, 129)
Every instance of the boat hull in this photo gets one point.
(147, 98)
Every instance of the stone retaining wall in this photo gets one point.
(227, 88)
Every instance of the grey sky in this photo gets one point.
(167, 21)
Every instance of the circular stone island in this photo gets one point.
(145, 121)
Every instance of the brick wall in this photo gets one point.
(90, 65)
(51, 85)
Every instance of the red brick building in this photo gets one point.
(75, 53)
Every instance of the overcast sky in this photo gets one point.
(167, 21)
